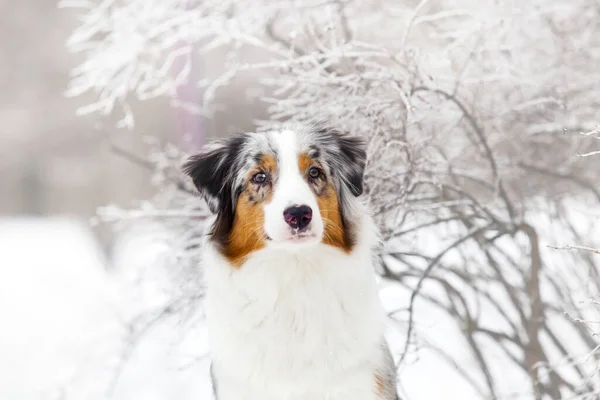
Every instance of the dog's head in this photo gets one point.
(284, 189)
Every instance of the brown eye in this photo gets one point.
(259, 178)
(314, 172)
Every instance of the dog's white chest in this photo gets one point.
(292, 327)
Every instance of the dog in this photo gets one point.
(292, 305)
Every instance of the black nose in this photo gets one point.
(298, 217)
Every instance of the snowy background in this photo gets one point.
(482, 121)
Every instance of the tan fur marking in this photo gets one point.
(379, 386)
(268, 163)
(330, 213)
(247, 234)
(304, 163)
(329, 207)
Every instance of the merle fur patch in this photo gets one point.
(346, 155)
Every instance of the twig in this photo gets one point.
(478, 130)
(591, 153)
(134, 159)
(573, 247)
(425, 275)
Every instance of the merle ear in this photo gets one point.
(352, 159)
(210, 171)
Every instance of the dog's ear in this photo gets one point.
(351, 161)
(211, 171)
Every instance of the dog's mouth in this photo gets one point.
(303, 236)
(294, 238)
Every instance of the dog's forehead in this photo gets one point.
(284, 145)
(278, 143)
(311, 140)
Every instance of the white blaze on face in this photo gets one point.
(291, 189)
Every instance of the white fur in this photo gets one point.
(296, 322)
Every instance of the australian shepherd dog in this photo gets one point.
(292, 305)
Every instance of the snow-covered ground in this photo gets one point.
(53, 293)
(64, 319)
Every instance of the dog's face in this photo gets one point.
(283, 189)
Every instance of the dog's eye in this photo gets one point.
(314, 172)
(259, 178)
